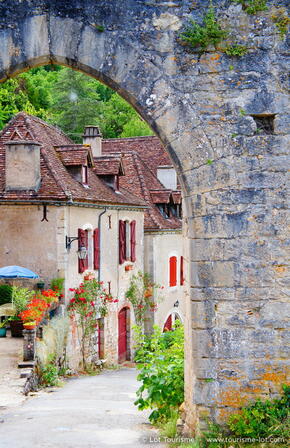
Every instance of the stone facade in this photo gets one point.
(234, 176)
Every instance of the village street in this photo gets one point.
(88, 412)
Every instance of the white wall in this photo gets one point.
(158, 249)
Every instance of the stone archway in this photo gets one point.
(204, 109)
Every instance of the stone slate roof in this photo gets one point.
(56, 182)
(141, 156)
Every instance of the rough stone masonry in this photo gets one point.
(225, 123)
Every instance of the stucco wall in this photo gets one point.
(111, 270)
(28, 242)
(159, 247)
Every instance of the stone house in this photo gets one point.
(151, 176)
(55, 199)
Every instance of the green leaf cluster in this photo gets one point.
(236, 50)
(264, 418)
(160, 359)
(5, 294)
(267, 420)
(252, 6)
(70, 100)
(282, 21)
(209, 33)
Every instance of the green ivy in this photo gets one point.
(252, 6)
(210, 33)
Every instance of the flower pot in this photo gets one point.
(17, 328)
(29, 325)
(129, 267)
(3, 332)
(89, 277)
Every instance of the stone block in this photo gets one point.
(213, 274)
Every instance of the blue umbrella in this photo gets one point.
(16, 272)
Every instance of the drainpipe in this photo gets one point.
(99, 227)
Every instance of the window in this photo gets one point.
(265, 123)
(127, 241)
(84, 174)
(172, 271)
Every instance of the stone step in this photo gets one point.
(26, 364)
(25, 373)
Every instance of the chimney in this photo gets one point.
(93, 137)
(167, 176)
(22, 165)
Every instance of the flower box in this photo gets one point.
(128, 267)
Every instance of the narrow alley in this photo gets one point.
(87, 412)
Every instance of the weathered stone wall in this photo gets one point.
(234, 176)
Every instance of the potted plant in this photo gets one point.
(3, 327)
(20, 298)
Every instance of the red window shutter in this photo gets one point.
(172, 271)
(181, 271)
(122, 241)
(96, 249)
(83, 241)
(133, 240)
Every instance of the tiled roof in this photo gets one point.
(160, 196)
(149, 149)
(108, 165)
(56, 182)
(73, 154)
(141, 156)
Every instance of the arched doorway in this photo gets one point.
(170, 321)
(124, 335)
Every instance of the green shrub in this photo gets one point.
(160, 359)
(210, 33)
(263, 418)
(267, 420)
(252, 6)
(281, 20)
(49, 373)
(5, 294)
(236, 50)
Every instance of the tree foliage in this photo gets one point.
(70, 100)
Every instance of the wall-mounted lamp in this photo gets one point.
(82, 252)
(176, 305)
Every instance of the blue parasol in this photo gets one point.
(16, 272)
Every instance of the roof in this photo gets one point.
(149, 149)
(141, 157)
(57, 151)
(108, 165)
(74, 155)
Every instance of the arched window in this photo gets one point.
(173, 271)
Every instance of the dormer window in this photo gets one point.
(85, 175)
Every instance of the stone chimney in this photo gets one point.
(93, 137)
(22, 165)
(167, 176)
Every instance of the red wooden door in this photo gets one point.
(122, 337)
(168, 324)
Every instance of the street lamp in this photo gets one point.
(82, 251)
